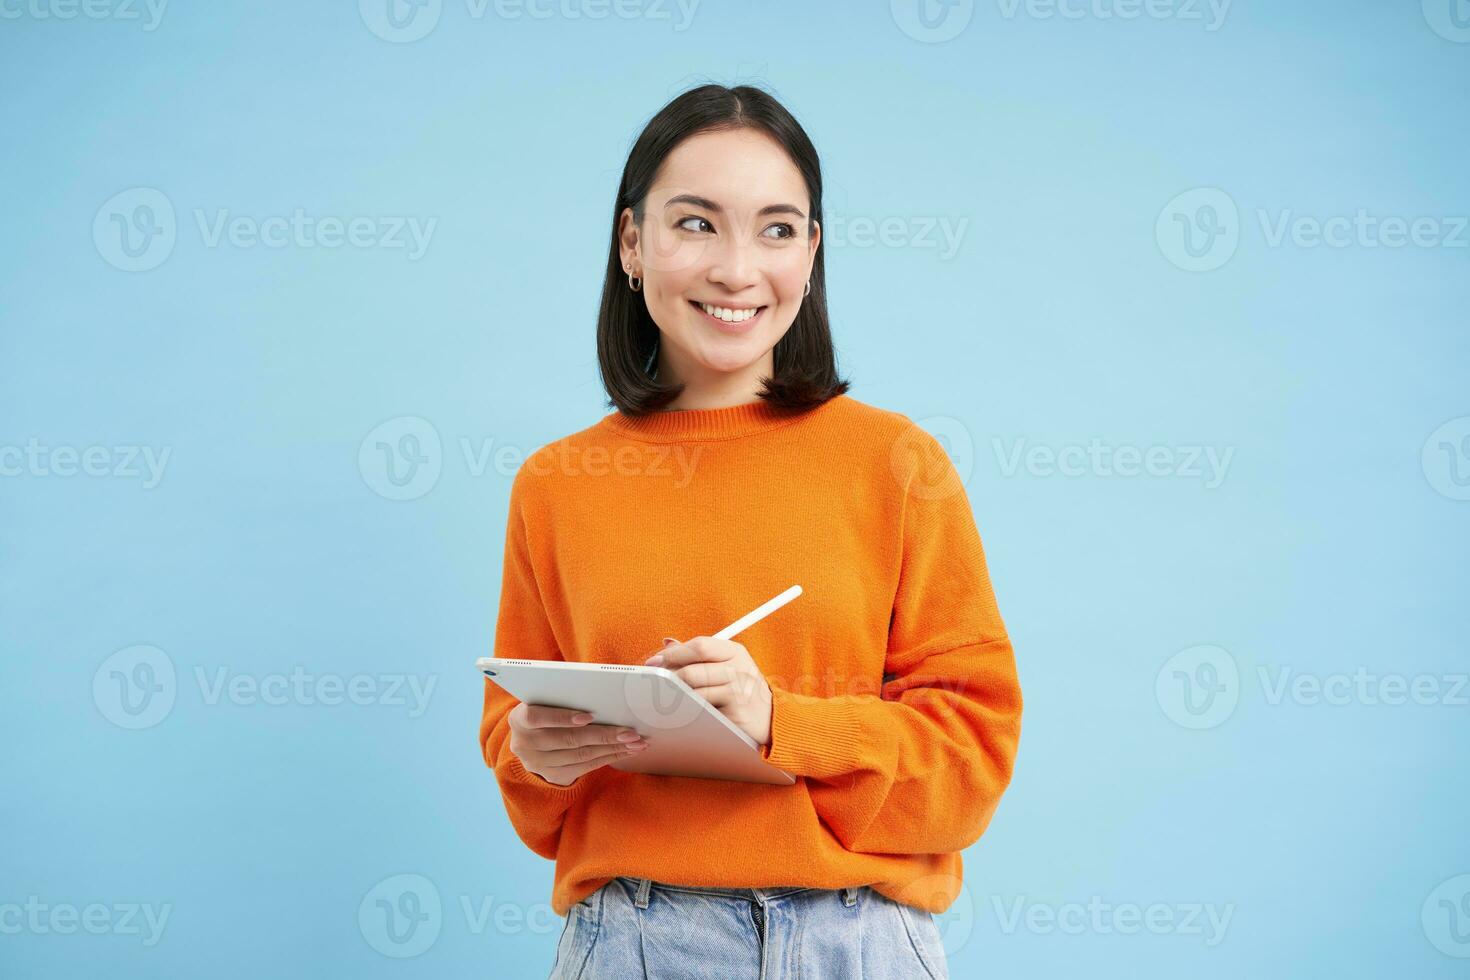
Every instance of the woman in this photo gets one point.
(735, 465)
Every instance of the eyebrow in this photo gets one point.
(708, 205)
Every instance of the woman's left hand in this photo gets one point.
(725, 675)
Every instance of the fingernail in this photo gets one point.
(581, 719)
(668, 640)
(656, 660)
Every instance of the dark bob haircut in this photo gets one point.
(805, 370)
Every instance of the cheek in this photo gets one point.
(788, 269)
(671, 283)
(789, 281)
(669, 294)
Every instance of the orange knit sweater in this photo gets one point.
(895, 696)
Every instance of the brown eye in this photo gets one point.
(684, 223)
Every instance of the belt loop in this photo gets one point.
(641, 899)
(849, 896)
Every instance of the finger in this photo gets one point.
(705, 675)
(663, 657)
(568, 774)
(570, 737)
(559, 758)
(669, 641)
(701, 649)
(548, 716)
(738, 689)
(719, 695)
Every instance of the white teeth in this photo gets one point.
(729, 315)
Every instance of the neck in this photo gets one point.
(706, 388)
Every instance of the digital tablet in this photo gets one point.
(687, 736)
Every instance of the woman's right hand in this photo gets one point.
(559, 750)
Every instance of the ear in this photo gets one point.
(629, 249)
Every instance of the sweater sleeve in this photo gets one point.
(920, 767)
(536, 808)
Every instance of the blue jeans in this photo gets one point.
(634, 927)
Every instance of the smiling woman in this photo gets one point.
(891, 694)
(714, 277)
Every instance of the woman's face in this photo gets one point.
(724, 233)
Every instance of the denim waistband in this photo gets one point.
(642, 886)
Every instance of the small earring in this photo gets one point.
(631, 277)
(808, 288)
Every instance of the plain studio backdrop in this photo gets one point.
(288, 291)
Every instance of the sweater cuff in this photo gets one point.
(813, 736)
(564, 795)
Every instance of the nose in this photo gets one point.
(735, 265)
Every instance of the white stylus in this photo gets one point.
(758, 613)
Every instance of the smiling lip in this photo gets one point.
(744, 326)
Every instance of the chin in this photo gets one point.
(729, 365)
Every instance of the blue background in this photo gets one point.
(1332, 544)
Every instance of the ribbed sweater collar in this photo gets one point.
(700, 424)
